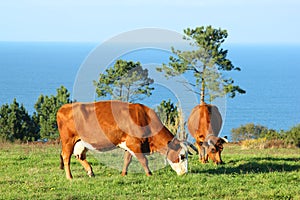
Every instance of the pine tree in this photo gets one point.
(16, 123)
(46, 109)
(206, 61)
(125, 81)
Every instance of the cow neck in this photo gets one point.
(209, 135)
(160, 141)
(168, 149)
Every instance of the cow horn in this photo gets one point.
(184, 146)
(192, 148)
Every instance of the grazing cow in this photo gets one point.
(106, 125)
(204, 125)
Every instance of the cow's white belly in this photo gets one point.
(123, 145)
(81, 146)
(87, 145)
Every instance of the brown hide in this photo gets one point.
(205, 120)
(105, 125)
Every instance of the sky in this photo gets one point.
(247, 21)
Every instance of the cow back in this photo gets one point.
(106, 124)
(204, 119)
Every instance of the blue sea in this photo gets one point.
(270, 75)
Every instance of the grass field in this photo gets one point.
(32, 172)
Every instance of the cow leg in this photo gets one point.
(87, 167)
(202, 154)
(127, 161)
(61, 166)
(144, 162)
(135, 147)
(66, 156)
(80, 154)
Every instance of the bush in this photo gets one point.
(248, 131)
(172, 117)
(17, 124)
(292, 136)
(263, 143)
(254, 143)
(46, 109)
(257, 136)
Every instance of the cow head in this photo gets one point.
(212, 148)
(177, 156)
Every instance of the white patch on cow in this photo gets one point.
(78, 149)
(182, 166)
(225, 140)
(123, 145)
(87, 145)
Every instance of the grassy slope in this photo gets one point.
(32, 172)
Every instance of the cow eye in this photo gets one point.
(182, 157)
(213, 150)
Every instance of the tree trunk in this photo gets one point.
(128, 94)
(202, 93)
(121, 91)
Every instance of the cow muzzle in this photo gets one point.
(180, 168)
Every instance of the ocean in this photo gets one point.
(270, 76)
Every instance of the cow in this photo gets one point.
(204, 124)
(106, 125)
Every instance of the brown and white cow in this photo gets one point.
(204, 124)
(106, 125)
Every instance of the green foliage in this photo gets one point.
(206, 62)
(292, 136)
(269, 137)
(125, 81)
(16, 123)
(169, 115)
(46, 109)
(248, 131)
(167, 112)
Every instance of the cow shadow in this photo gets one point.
(257, 165)
(274, 159)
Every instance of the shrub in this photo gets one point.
(172, 117)
(256, 136)
(168, 114)
(254, 143)
(262, 143)
(248, 131)
(46, 109)
(16, 123)
(292, 136)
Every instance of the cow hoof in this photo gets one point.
(149, 174)
(91, 174)
(123, 173)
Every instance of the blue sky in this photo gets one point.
(251, 21)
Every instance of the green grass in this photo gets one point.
(32, 172)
